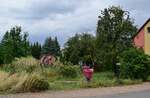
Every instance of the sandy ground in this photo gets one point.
(82, 93)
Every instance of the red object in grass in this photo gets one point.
(88, 72)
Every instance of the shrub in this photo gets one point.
(69, 71)
(57, 63)
(134, 64)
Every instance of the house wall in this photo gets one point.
(147, 39)
(139, 39)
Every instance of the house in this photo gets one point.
(142, 38)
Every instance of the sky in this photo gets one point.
(63, 18)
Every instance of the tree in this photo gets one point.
(51, 46)
(71, 50)
(80, 48)
(6, 49)
(36, 50)
(57, 47)
(14, 44)
(1, 56)
(114, 34)
(26, 49)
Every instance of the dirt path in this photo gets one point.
(82, 93)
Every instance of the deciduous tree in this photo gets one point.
(114, 34)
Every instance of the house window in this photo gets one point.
(148, 29)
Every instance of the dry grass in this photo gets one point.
(19, 76)
(8, 81)
(20, 82)
(25, 61)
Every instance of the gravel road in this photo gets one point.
(134, 91)
(140, 94)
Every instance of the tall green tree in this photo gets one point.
(80, 48)
(14, 44)
(57, 47)
(51, 46)
(26, 49)
(6, 49)
(71, 50)
(1, 56)
(114, 34)
(36, 50)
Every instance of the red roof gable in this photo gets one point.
(142, 27)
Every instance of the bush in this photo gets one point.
(69, 71)
(134, 64)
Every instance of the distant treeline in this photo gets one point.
(15, 43)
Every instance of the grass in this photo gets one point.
(148, 79)
(12, 83)
(13, 76)
(103, 79)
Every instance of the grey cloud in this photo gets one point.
(37, 9)
(62, 18)
(139, 9)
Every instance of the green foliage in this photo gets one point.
(51, 46)
(69, 71)
(6, 49)
(114, 34)
(1, 55)
(135, 64)
(36, 50)
(8, 68)
(79, 47)
(14, 44)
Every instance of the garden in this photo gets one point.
(26, 75)
(34, 67)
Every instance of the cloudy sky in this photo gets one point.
(63, 18)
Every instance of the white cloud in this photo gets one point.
(63, 18)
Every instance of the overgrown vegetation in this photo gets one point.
(21, 70)
(19, 76)
(69, 71)
(22, 82)
(134, 64)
